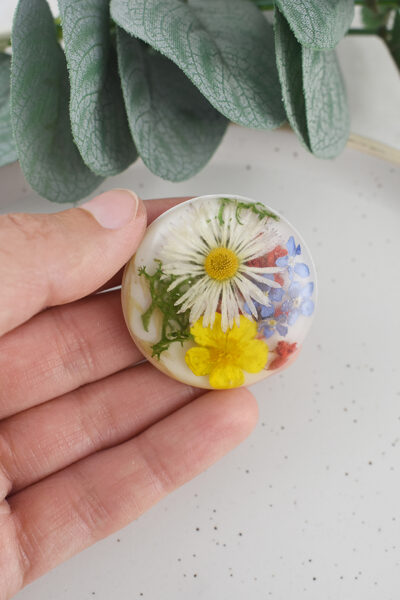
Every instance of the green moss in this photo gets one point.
(256, 207)
(175, 326)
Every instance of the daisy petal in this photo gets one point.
(192, 293)
(233, 305)
(265, 270)
(260, 279)
(243, 286)
(211, 300)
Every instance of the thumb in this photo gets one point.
(53, 259)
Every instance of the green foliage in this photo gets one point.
(290, 69)
(318, 24)
(175, 326)
(162, 79)
(5, 42)
(313, 93)
(97, 112)
(225, 47)
(393, 38)
(176, 130)
(8, 152)
(255, 207)
(39, 108)
(328, 119)
(374, 17)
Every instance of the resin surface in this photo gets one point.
(220, 293)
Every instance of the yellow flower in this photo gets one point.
(224, 356)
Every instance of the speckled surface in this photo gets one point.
(308, 506)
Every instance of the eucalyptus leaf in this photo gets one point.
(318, 24)
(8, 151)
(49, 158)
(175, 129)
(313, 93)
(327, 112)
(226, 48)
(97, 112)
(290, 69)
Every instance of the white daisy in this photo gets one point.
(214, 249)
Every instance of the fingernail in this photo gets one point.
(114, 209)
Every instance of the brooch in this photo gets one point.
(220, 293)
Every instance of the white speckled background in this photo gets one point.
(308, 506)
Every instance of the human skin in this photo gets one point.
(89, 438)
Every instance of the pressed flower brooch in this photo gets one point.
(220, 292)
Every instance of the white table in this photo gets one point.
(308, 506)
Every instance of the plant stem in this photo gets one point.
(374, 148)
(357, 31)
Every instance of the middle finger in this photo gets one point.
(61, 349)
(50, 437)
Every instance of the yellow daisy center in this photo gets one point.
(221, 264)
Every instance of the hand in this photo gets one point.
(89, 438)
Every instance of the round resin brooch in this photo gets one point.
(220, 292)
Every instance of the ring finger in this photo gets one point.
(49, 437)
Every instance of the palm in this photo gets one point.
(89, 438)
